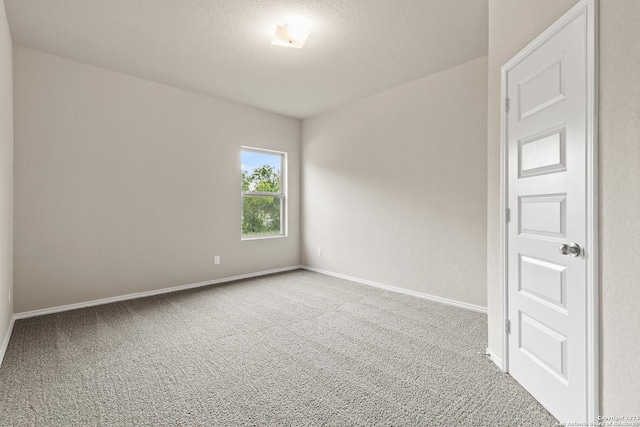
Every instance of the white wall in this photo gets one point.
(394, 186)
(512, 25)
(6, 176)
(123, 185)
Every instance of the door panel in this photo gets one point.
(543, 153)
(542, 88)
(546, 346)
(544, 280)
(543, 215)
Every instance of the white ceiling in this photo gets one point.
(223, 48)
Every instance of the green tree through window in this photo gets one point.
(262, 193)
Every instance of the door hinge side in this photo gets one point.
(507, 326)
(507, 215)
(506, 105)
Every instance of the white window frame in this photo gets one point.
(282, 195)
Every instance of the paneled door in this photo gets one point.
(547, 115)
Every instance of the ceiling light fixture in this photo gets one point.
(291, 35)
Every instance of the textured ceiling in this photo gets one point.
(223, 47)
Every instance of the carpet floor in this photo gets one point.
(291, 349)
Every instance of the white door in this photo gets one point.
(546, 132)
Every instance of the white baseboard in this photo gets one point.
(5, 342)
(447, 301)
(495, 359)
(42, 312)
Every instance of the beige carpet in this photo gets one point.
(294, 349)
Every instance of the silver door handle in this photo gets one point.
(570, 249)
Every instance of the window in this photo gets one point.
(263, 193)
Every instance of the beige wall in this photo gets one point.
(394, 186)
(512, 25)
(123, 185)
(620, 205)
(6, 176)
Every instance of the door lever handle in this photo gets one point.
(570, 249)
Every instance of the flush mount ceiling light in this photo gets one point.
(291, 35)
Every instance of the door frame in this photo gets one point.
(590, 7)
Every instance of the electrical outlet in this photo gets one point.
(216, 259)
(319, 251)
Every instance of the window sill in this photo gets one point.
(275, 236)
